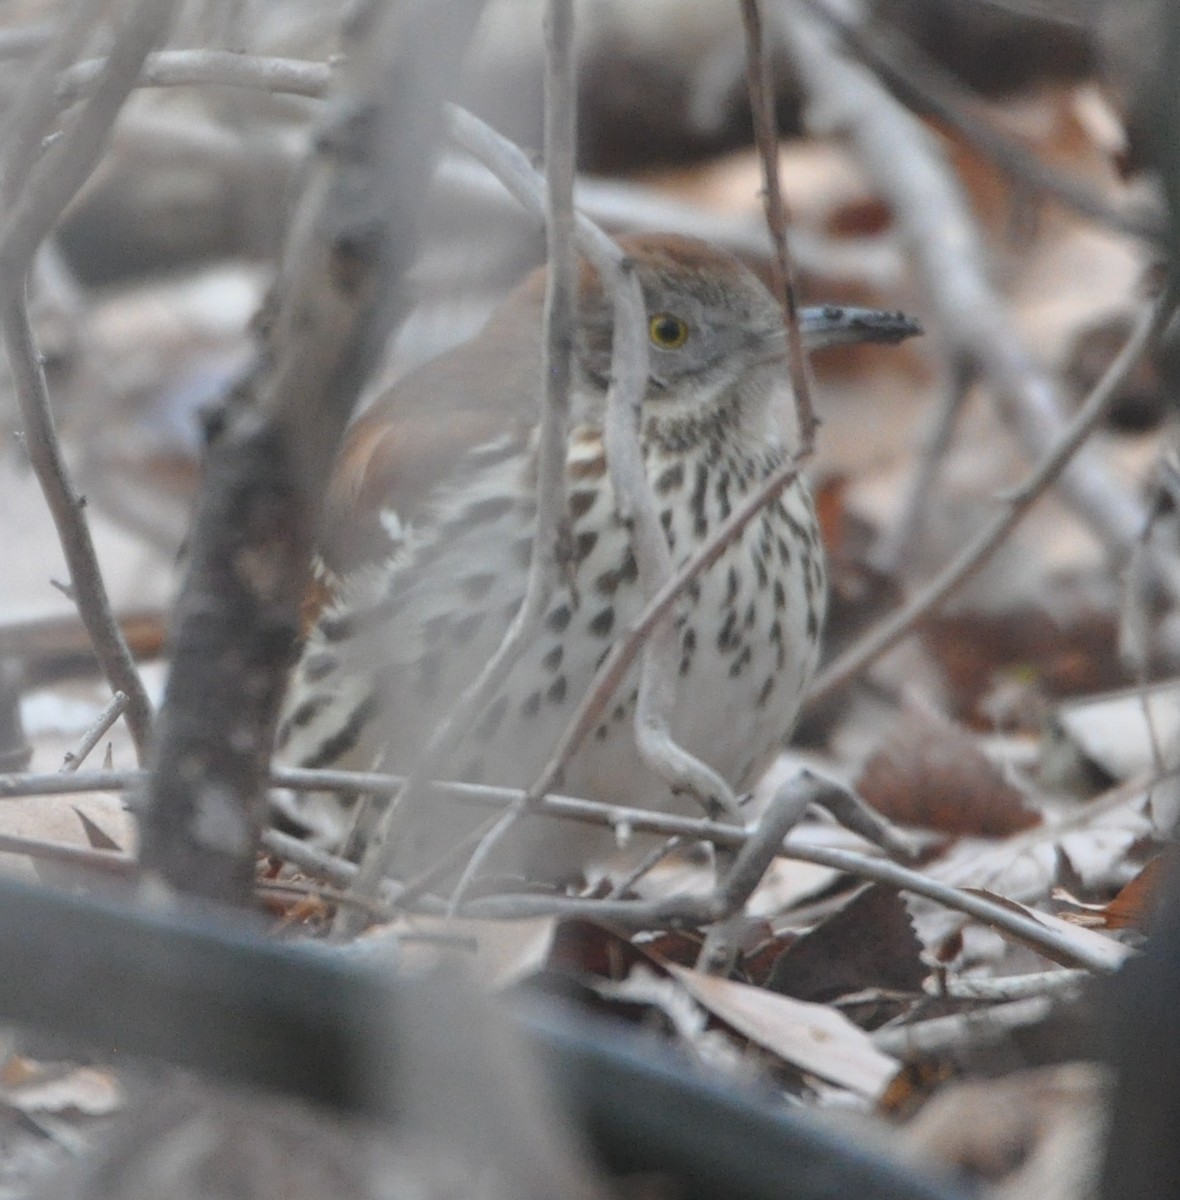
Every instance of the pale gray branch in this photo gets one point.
(94, 733)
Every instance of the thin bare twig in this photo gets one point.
(208, 68)
(650, 860)
(760, 84)
(890, 631)
(340, 872)
(65, 505)
(1008, 987)
(94, 733)
(1102, 957)
(1094, 956)
(111, 862)
(940, 1034)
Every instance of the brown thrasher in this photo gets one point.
(430, 531)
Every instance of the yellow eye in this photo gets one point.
(667, 331)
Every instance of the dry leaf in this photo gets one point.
(1134, 905)
(812, 1037)
(932, 773)
(869, 943)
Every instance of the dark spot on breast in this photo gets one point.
(765, 690)
(688, 645)
(346, 737)
(723, 505)
(559, 618)
(760, 570)
(620, 712)
(784, 552)
(727, 638)
(607, 583)
(780, 595)
(732, 584)
(318, 664)
(812, 624)
(581, 503)
(751, 617)
(740, 663)
(532, 705)
(552, 659)
(670, 479)
(603, 622)
(556, 692)
(808, 583)
(798, 530)
(336, 628)
(817, 566)
(666, 520)
(697, 501)
(584, 545)
(588, 468)
(307, 712)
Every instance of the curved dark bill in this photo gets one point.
(838, 325)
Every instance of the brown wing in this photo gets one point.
(415, 435)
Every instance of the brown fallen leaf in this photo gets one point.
(869, 943)
(932, 773)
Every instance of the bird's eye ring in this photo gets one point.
(667, 331)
